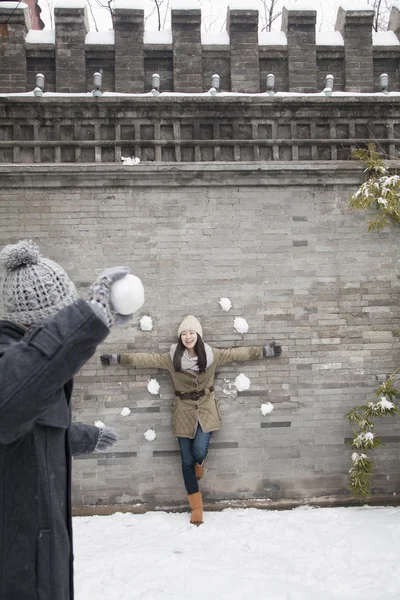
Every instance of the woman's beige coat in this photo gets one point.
(186, 414)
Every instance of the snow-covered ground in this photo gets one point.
(240, 554)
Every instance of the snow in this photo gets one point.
(300, 6)
(354, 5)
(70, 4)
(185, 5)
(242, 382)
(240, 554)
(229, 388)
(153, 386)
(13, 5)
(100, 38)
(272, 38)
(44, 36)
(243, 4)
(125, 412)
(130, 4)
(240, 325)
(158, 37)
(267, 408)
(99, 424)
(215, 39)
(130, 160)
(225, 304)
(329, 38)
(150, 435)
(146, 323)
(385, 38)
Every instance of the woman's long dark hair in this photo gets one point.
(200, 351)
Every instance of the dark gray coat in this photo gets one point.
(37, 440)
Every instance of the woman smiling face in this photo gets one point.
(189, 339)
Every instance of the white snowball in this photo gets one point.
(99, 424)
(225, 303)
(242, 382)
(267, 408)
(130, 160)
(146, 323)
(153, 386)
(127, 294)
(125, 411)
(240, 325)
(150, 435)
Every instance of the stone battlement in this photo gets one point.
(186, 58)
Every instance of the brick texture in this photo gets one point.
(195, 234)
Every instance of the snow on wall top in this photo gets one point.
(272, 38)
(329, 38)
(100, 37)
(158, 37)
(385, 38)
(13, 5)
(243, 4)
(300, 6)
(215, 39)
(130, 4)
(355, 5)
(185, 5)
(70, 4)
(41, 36)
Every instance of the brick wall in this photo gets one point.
(278, 241)
(300, 61)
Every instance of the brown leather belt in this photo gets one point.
(194, 395)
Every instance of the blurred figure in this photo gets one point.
(46, 336)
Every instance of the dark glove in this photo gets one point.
(99, 296)
(109, 359)
(271, 350)
(107, 438)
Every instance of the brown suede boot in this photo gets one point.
(196, 504)
(199, 470)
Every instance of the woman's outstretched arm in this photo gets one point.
(138, 359)
(222, 355)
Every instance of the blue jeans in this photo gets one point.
(193, 451)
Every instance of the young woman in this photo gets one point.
(195, 414)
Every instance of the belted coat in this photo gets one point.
(187, 413)
(37, 440)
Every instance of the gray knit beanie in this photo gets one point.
(33, 287)
(190, 323)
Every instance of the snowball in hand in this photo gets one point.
(146, 323)
(225, 304)
(127, 295)
(267, 408)
(153, 386)
(125, 412)
(240, 325)
(242, 382)
(150, 435)
(99, 424)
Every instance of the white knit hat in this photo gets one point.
(190, 323)
(34, 287)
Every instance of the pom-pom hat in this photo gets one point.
(34, 288)
(190, 323)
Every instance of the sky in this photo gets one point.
(213, 12)
(240, 554)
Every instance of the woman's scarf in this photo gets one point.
(190, 363)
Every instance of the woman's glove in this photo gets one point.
(107, 438)
(271, 350)
(109, 359)
(99, 296)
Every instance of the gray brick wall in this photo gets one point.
(301, 268)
